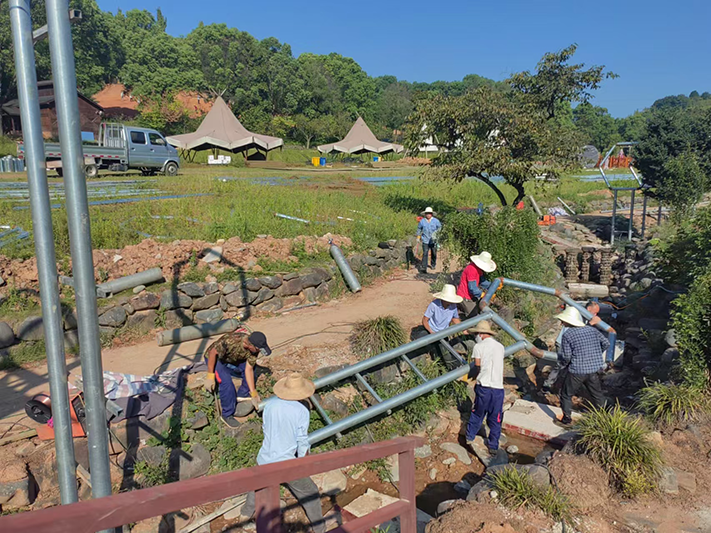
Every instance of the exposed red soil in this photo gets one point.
(110, 99)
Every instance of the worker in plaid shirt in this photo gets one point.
(582, 349)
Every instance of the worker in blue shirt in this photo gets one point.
(428, 232)
(286, 427)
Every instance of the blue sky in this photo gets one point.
(657, 47)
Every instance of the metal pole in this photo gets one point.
(44, 246)
(65, 92)
(630, 228)
(644, 214)
(659, 214)
(387, 405)
(614, 213)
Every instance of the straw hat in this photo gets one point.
(294, 387)
(484, 261)
(482, 327)
(448, 294)
(571, 316)
(428, 210)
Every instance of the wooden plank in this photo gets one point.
(19, 436)
(268, 510)
(406, 463)
(128, 507)
(371, 520)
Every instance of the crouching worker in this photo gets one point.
(239, 350)
(488, 370)
(440, 314)
(286, 426)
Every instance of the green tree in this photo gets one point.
(597, 125)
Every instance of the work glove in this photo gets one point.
(209, 382)
(255, 400)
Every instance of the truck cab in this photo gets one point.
(145, 148)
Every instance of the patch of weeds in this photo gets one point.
(655, 340)
(620, 443)
(18, 301)
(195, 274)
(517, 489)
(233, 455)
(24, 353)
(107, 338)
(103, 275)
(380, 467)
(160, 318)
(670, 405)
(278, 266)
(377, 335)
(148, 475)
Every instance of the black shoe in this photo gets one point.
(563, 423)
(230, 421)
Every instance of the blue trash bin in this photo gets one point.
(322, 162)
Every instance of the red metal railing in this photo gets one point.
(129, 507)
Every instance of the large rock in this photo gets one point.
(393, 526)
(271, 306)
(206, 302)
(330, 402)
(459, 451)
(31, 329)
(482, 452)
(686, 480)
(482, 486)
(330, 483)
(145, 300)
(668, 482)
(290, 287)
(211, 287)
(422, 452)
(114, 318)
(252, 284)
(192, 464)
(14, 485)
(177, 318)
(322, 291)
(315, 277)
(153, 455)
(7, 336)
(271, 282)
(171, 299)
(143, 320)
(539, 474)
(386, 374)
(263, 295)
(229, 288)
(212, 254)
(240, 298)
(191, 289)
(208, 315)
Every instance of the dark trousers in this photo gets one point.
(572, 385)
(226, 389)
(436, 349)
(468, 309)
(428, 248)
(306, 492)
(488, 403)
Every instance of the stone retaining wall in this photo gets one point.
(197, 303)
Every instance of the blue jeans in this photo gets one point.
(489, 403)
(428, 248)
(226, 389)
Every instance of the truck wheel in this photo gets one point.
(60, 171)
(91, 171)
(171, 169)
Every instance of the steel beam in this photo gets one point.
(28, 97)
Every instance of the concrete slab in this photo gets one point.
(535, 420)
(367, 503)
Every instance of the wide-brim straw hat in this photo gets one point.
(482, 327)
(571, 316)
(448, 294)
(294, 387)
(484, 261)
(428, 210)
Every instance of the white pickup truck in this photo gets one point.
(120, 148)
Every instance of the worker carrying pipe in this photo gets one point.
(473, 283)
(235, 354)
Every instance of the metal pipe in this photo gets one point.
(614, 214)
(452, 351)
(519, 337)
(197, 331)
(345, 268)
(413, 366)
(368, 388)
(67, 107)
(493, 287)
(530, 286)
(566, 205)
(389, 404)
(28, 97)
(146, 277)
(630, 228)
(659, 215)
(384, 357)
(288, 217)
(644, 213)
(535, 206)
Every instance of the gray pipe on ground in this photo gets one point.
(197, 331)
(345, 268)
(146, 277)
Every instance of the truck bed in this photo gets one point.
(54, 151)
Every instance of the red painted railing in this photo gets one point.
(129, 507)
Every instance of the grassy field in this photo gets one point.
(333, 201)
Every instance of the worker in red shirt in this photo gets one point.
(472, 284)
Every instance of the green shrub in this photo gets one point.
(516, 489)
(669, 404)
(685, 255)
(691, 320)
(377, 335)
(509, 235)
(620, 443)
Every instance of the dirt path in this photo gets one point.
(402, 294)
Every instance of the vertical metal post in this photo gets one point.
(644, 213)
(630, 228)
(614, 214)
(21, 23)
(659, 215)
(65, 92)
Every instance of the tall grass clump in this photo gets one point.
(377, 335)
(620, 443)
(670, 404)
(517, 489)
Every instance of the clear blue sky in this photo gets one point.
(657, 47)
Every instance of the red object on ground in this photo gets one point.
(547, 220)
(520, 206)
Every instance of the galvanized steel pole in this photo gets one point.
(21, 22)
(65, 91)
